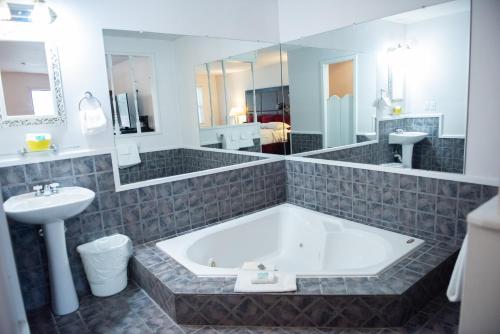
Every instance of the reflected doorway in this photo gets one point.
(339, 102)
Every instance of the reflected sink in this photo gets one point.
(410, 137)
(406, 140)
(50, 212)
(31, 209)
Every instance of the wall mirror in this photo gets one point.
(150, 81)
(390, 92)
(132, 86)
(30, 84)
(242, 102)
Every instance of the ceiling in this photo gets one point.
(140, 34)
(18, 56)
(427, 13)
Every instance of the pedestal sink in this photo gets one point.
(406, 140)
(50, 211)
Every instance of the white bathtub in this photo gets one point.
(294, 239)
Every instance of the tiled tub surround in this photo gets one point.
(433, 153)
(177, 161)
(144, 214)
(386, 300)
(428, 208)
(424, 207)
(305, 142)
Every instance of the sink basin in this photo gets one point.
(31, 209)
(406, 140)
(50, 212)
(410, 137)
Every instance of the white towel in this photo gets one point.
(284, 282)
(93, 121)
(455, 286)
(246, 140)
(128, 155)
(230, 142)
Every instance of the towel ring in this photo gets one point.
(89, 98)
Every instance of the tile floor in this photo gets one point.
(132, 311)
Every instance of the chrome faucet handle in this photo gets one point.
(46, 190)
(54, 187)
(38, 190)
(400, 131)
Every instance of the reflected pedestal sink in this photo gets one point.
(50, 212)
(406, 140)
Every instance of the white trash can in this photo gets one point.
(105, 262)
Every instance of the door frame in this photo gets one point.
(325, 87)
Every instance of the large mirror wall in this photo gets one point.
(390, 92)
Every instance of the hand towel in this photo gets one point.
(284, 282)
(455, 286)
(128, 155)
(93, 121)
(229, 142)
(246, 140)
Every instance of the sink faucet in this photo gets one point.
(400, 131)
(48, 189)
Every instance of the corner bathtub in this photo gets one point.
(298, 240)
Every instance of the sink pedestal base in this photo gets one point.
(62, 288)
(407, 155)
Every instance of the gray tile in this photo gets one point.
(12, 175)
(447, 188)
(38, 172)
(61, 168)
(426, 203)
(408, 182)
(427, 185)
(83, 165)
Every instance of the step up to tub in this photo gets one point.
(386, 300)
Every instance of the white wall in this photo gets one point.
(439, 69)
(483, 135)
(298, 18)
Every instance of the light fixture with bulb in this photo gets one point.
(35, 11)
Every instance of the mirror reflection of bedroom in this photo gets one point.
(243, 102)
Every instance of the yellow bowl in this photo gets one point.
(41, 145)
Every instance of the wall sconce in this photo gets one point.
(22, 11)
(92, 116)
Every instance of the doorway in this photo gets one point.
(339, 102)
